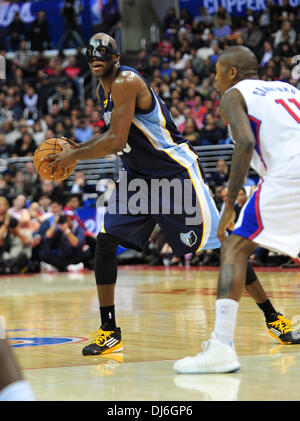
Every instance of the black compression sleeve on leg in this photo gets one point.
(250, 274)
(106, 259)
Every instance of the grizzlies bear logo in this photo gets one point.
(188, 238)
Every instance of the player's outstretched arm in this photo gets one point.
(124, 92)
(233, 111)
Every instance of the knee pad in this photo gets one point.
(250, 275)
(106, 259)
(106, 243)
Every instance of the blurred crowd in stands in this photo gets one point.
(180, 68)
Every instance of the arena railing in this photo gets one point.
(109, 167)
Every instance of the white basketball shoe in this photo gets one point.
(215, 357)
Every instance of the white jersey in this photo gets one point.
(274, 114)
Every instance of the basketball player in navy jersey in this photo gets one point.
(141, 130)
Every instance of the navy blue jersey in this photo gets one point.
(155, 148)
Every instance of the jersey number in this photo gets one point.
(288, 108)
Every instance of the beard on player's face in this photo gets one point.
(104, 69)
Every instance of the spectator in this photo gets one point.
(49, 121)
(39, 33)
(7, 185)
(72, 204)
(65, 111)
(35, 217)
(222, 13)
(71, 11)
(264, 19)
(185, 18)
(198, 110)
(13, 108)
(79, 185)
(164, 47)
(44, 90)
(205, 88)
(285, 29)
(10, 132)
(83, 133)
(179, 62)
(31, 176)
(55, 114)
(217, 195)
(18, 210)
(23, 54)
(142, 63)
(166, 70)
(178, 118)
(4, 206)
(60, 130)
(66, 237)
(48, 219)
(72, 70)
(38, 133)
(60, 191)
(20, 184)
(81, 61)
(44, 202)
(221, 176)
(253, 36)
(96, 120)
(5, 149)
(222, 30)
(284, 48)
(46, 187)
(30, 100)
(190, 131)
(17, 32)
(170, 19)
(24, 146)
(210, 134)
(203, 17)
(111, 17)
(241, 200)
(16, 245)
(267, 53)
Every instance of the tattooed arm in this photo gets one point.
(234, 111)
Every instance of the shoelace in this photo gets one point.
(282, 324)
(101, 336)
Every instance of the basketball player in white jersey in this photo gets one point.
(264, 122)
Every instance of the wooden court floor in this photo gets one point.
(164, 314)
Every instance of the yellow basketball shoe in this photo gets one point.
(282, 330)
(105, 342)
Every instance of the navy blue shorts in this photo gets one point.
(181, 205)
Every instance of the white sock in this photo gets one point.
(2, 327)
(226, 311)
(17, 391)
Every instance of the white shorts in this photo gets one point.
(271, 216)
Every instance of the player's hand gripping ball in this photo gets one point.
(45, 166)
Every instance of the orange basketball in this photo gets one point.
(46, 148)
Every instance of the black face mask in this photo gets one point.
(97, 50)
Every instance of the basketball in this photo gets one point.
(46, 148)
